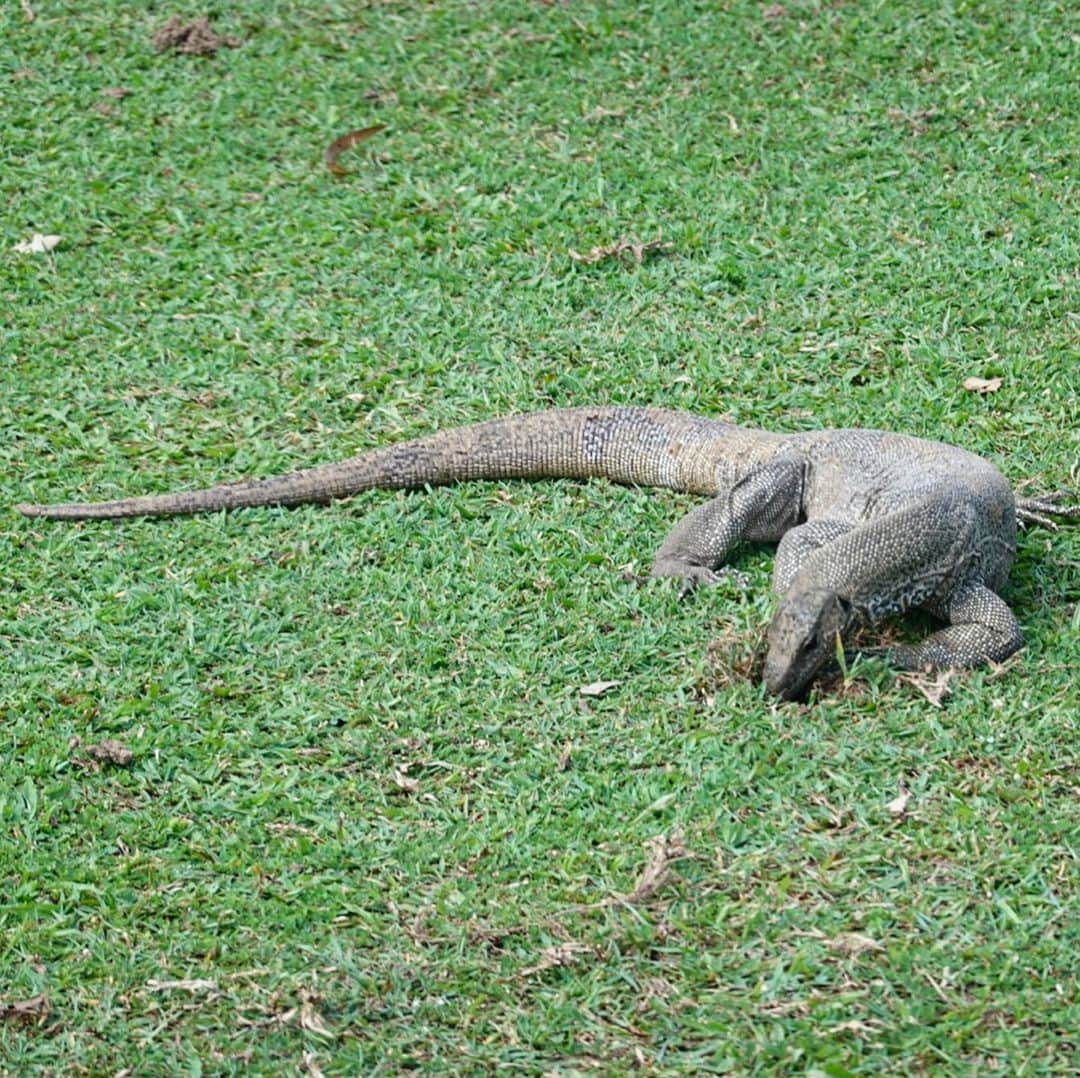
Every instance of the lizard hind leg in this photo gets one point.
(981, 629)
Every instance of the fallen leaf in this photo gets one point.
(27, 1011)
(111, 752)
(634, 248)
(906, 237)
(192, 986)
(854, 1025)
(601, 113)
(562, 954)
(598, 688)
(28, 11)
(836, 815)
(116, 91)
(280, 1019)
(651, 989)
(982, 385)
(564, 757)
(286, 828)
(898, 805)
(37, 244)
(345, 142)
(195, 38)
(773, 11)
(663, 853)
(404, 783)
(530, 37)
(933, 686)
(853, 944)
(311, 1020)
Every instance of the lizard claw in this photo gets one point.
(691, 575)
(687, 587)
(697, 576)
(1042, 507)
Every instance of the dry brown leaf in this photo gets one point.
(854, 1025)
(28, 1011)
(773, 11)
(192, 986)
(37, 244)
(623, 248)
(601, 113)
(651, 989)
(898, 805)
(564, 757)
(281, 1019)
(562, 954)
(934, 686)
(663, 853)
(195, 38)
(293, 829)
(982, 385)
(345, 142)
(916, 122)
(311, 1020)
(598, 688)
(27, 10)
(116, 91)
(853, 944)
(111, 751)
(836, 815)
(405, 784)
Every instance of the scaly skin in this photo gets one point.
(870, 524)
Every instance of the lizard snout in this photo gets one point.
(802, 639)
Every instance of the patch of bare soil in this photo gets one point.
(195, 38)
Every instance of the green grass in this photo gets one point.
(868, 203)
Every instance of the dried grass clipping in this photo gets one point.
(625, 250)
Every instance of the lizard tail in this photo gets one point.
(641, 446)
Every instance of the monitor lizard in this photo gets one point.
(870, 524)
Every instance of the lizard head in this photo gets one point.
(802, 639)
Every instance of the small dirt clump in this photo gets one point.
(195, 38)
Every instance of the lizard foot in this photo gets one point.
(1041, 508)
(695, 576)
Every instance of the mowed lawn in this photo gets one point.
(360, 816)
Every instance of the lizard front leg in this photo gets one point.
(798, 544)
(761, 506)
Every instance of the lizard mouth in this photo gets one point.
(789, 684)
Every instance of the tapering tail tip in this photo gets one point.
(63, 511)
